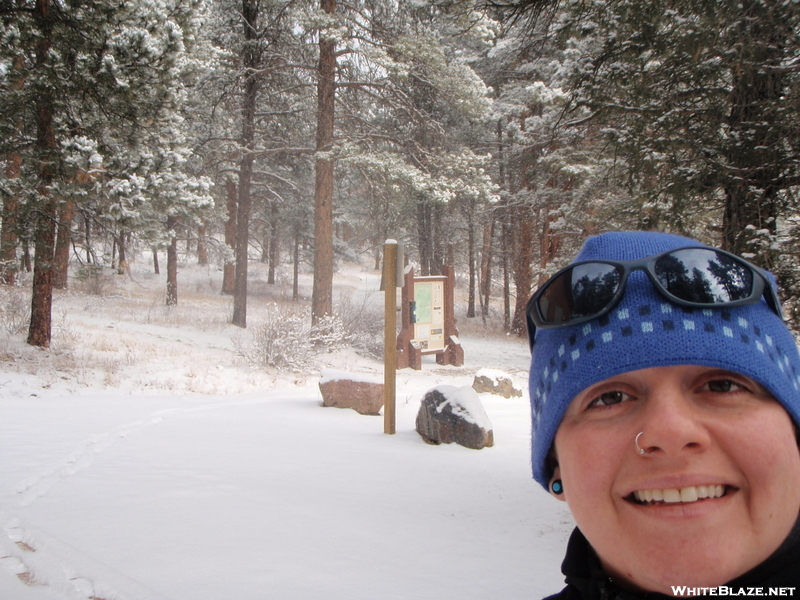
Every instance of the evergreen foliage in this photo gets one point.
(697, 103)
(91, 96)
(489, 135)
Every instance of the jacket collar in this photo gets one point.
(585, 574)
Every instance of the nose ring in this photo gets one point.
(641, 450)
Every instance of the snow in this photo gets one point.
(493, 375)
(145, 459)
(464, 401)
(328, 375)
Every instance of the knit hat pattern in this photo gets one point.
(646, 330)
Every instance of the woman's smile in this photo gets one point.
(679, 495)
(688, 461)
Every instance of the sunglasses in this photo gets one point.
(698, 277)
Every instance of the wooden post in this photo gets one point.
(406, 327)
(454, 352)
(390, 335)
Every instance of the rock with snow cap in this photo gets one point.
(495, 382)
(362, 393)
(451, 414)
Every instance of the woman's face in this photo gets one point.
(707, 432)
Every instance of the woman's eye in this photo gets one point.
(723, 386)
(609, 398)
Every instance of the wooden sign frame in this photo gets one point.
(409, 350)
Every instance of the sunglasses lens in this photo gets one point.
(581, 291)
(704, 276)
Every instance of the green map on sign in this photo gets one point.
(422, 296)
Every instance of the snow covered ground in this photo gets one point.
(144, 459)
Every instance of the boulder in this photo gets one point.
(450, 414)
(495, 382)
(362, 393)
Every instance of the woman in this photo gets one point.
(665, 392)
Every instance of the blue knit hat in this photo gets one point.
(646, 330)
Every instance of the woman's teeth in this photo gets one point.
(673, 495)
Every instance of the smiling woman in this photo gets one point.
(664, 394)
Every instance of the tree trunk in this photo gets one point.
(229, 270)
(172, 262)
(322, 296)
(63, 244)
(26, 257)
(156, 268)
(745, 206)
(756, 145)
(442, 248)
(87, 236)
(506, 248)
(265, 232)
(523, 274)
(752, 201)
(122, 265)
(296, 267)
(8, 234)
(471, 259)
(425, 237)
(274, 244)
(506, 284)
(40, 330)
(429, 230)
(486, 264)
(202, 246)
(251, 60)
(506, 244)
(548, 246)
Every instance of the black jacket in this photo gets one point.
(586, 579)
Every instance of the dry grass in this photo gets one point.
(115, 331)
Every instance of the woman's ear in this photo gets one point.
(556, 485)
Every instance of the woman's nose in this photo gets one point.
(671, 423)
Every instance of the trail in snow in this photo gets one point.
(120, 482)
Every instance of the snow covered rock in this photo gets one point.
(495, 382)
(450, 414)
(362, 393)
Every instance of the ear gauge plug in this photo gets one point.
(557, 487)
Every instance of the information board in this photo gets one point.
(428, 324)
(429, 315)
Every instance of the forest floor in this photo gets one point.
(147, 455)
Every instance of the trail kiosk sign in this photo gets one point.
(428, 327)
(427, 313)
(428, 321)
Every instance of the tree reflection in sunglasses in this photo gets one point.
(695, 275)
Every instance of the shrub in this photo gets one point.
(93, 280)
(285, 338)
(14, 309)
(364, 323)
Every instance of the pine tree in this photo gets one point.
(700, 100)
(102, 84)
(322, 297)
